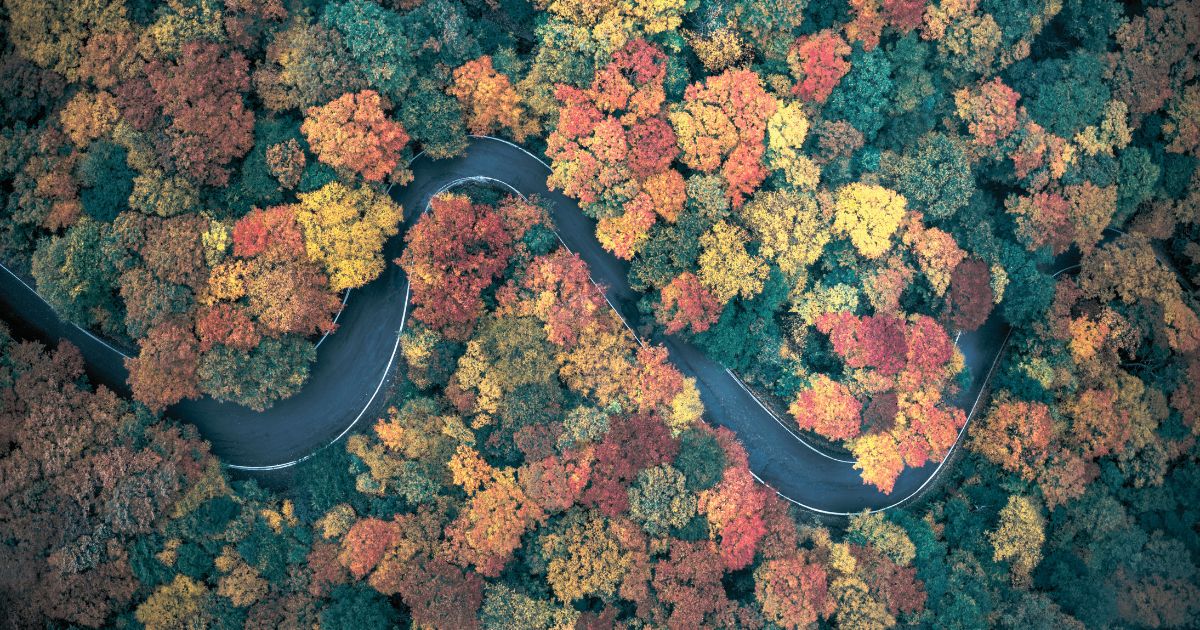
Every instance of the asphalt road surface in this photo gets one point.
(348, 381)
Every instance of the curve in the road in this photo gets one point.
(354, 365)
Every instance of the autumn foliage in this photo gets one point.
(353, 132)
(454, 252)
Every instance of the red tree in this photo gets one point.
(164, 372)
(454, 252)
(971, 295)
(559, 291)
(818, 62)
(274, 231)
(202, 94)
(686, 303)
(828, 408)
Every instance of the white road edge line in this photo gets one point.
(81, 328)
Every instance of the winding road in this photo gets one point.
(353, 365)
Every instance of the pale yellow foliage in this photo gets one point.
(170, 552)
(811, 304)
(88, 116)
(601, 368)
(612, 23)
(210, 485)
(868, 214)
(686, 407)
(1112, 133)
(720, 49)
(216, 240)
(726, 268)
(999, 282)
(285, 515)
(243, 586)
(789, 227)
(345, 230)
(787, 129)
(180, 605)
(227, 282)
(886, 536)
(337, 521)
(856, 609)
(1019, 537)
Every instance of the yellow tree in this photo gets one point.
(878, 459)
(789, 227)
(786, 130)
(726, 267)
(345, 230)
(584, 557)
(868, 214)
(181, 604)
(1019, 537)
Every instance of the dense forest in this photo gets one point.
(822, 195)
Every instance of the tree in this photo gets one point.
(274, 369)
(584, 557)
(685, 303)
(990, 111)
(726, 268)
(503, 606)
(722, 124)
(352, 132)
(793, 590)
(971, 298)
(787, 129)
(659, 501)
(790, 228)
(184, 603)
(828, 408)
(771, 25)
(345, 230)
(304, 67)
(378, 42)
(106, 181)
(89, 473)
(937, 253)
(817, 63)
(558, 290)
(1019, 536)
(489, 530)
(1181, 127)
(77, 274)
(489, 100)
(692, 589)
(935, 177)
(733, 508)
(612, 149)
(365, 544)
(868, 215)
(506, 353)
(454, 252)
(164, 372)
(203, 94)
(272, 233)
(352, 606)
(52, 34)
(286, 161)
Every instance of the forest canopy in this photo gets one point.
(823, 196)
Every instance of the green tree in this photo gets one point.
(274, 369)
(77, 274)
